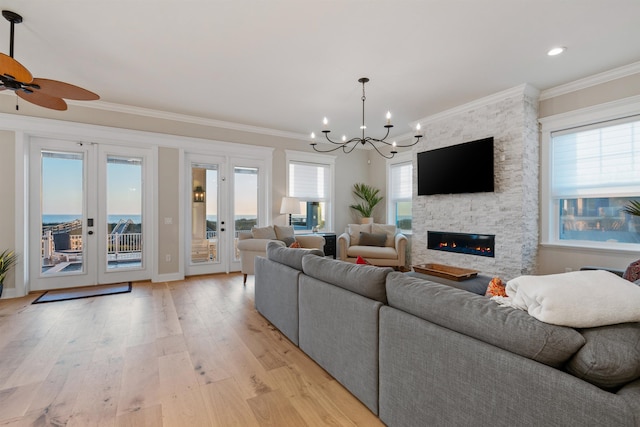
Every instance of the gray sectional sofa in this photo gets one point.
(419, 353)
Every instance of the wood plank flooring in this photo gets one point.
(187, 353)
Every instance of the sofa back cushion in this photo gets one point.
(365, 280)
(479, 317)
(611, 356)
(291, 257)
(389, 230)
(354, 231)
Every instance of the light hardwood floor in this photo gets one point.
(188, 353)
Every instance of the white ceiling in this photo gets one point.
(284, 64)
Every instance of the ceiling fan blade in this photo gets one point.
(43, 100)
(59, 89)
(11, 67)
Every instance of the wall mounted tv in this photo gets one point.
(462, 168)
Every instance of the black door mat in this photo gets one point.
(87, 292)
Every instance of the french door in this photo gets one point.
(223, 198)
(89, 215)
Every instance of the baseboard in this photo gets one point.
(9, 293)
(172, 277)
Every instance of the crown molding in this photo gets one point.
(184, 118)
(523, 89)
(607, 76)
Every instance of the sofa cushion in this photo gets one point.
(354, 231)
(267, 232)
(373, 239)
(611, 356)
(478, 317)
(375, 252)
(365, 280)
(291, 257)
(285, 234)
(389, 230)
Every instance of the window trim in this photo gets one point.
(319, 159)
(549, 221)
(400, 158)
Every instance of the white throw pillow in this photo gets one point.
(389, 230)
(263, 232)
(354, 232)
(579, 299)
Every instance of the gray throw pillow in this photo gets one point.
(372, 239)
(287, 240)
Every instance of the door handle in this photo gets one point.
(90, 232)
(222, 229)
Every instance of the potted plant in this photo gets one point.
(370, 198)
(7, 260)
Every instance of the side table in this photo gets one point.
(330, 241)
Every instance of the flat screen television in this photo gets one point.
(462, 168)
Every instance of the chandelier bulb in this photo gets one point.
(388, 117)
(325, 122)
(344, 138)
(418, 127)
(313, 135)
(394, 144)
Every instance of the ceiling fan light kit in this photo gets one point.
(43, 92)
(348, 146)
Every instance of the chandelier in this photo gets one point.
(348, 146)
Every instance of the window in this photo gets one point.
(594, 173)
(400, 185)
(310, 179)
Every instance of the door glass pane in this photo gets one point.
(204, 214)
(124, 212)
(245, 201)
(62, 213)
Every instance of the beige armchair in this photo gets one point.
(254, 243)
(379, 244)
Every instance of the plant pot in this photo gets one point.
(366, 220)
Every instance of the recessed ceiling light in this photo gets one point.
(556, 51)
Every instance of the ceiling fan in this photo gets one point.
(43, 92)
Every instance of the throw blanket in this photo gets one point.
(579, 299)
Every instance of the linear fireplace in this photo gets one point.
(464, 243)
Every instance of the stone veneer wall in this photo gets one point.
(511, 211)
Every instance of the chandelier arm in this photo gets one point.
(328, 150)
(346, 148)
(380, 152)
(398, 145)
(326, 135)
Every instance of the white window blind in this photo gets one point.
(596, 161)
(401, 181)
(308, 181)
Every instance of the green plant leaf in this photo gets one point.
(632, 208)
(8, 259)
(370, 198)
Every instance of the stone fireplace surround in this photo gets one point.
(511, 211)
